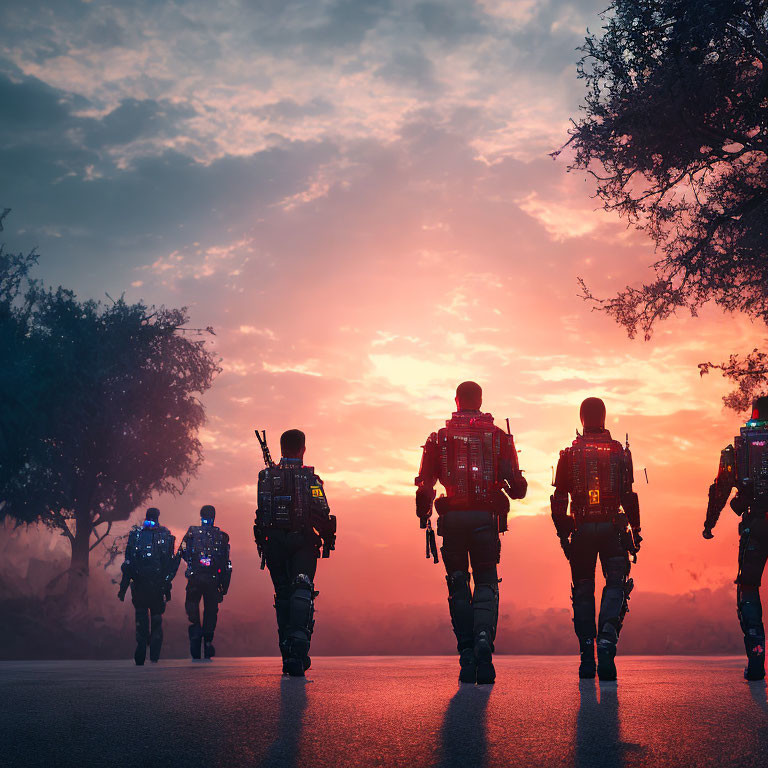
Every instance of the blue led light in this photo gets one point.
(149, 523)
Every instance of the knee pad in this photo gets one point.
(302, 582)
(583, 591)
(615, 572)
(485, 593)
(749, 609)
(301, 614)
(458, 585)
(486, 586)
(485, 605)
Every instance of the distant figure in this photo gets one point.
(604, 520)
(473, 460)
(744, 466)
(149, 568)
(205, 549)
(292, 521)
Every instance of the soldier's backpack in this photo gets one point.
(752, 464)
(150, 552)
(469, 447)
(290, 498)
(596, 467)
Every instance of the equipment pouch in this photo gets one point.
(502, 522)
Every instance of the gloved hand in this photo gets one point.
(121, 595)
(424, 498)
(638, 538)
(565, 543)
(707, 533)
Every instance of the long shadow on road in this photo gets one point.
(463, 738)
(597, 727)
(284, 750)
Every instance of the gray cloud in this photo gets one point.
(137, 119)
(288, 109)
(411, 69)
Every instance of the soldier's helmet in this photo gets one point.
(207, 514)
(592, 413)
(152, 517)
(759, 410)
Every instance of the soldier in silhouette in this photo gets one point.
(744, 466)
(149, 568)
(205, 550)
(603, 520)
(292, 521)
(475, 462)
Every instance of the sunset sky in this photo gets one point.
(358, 197)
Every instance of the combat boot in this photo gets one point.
(755, 669)
(140, 655)
(468, 663)
(294, 666)
(587, 667)
(486, 674)
(208, 650)
(606, 666)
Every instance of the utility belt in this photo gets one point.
(582, 515)
(498, 506)
(290, 524)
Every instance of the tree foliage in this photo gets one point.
(104, 409)
(675, 132)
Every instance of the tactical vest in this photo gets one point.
(150, 551)
(596, 465)
(287, 494)
(752, 463)
(206, 551)
(469, 447)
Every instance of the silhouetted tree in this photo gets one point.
(119, 385)
(22, 393)
(675, 132)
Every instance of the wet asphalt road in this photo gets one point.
(361, 712)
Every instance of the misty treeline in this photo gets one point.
(100, 409)
(675, 132)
